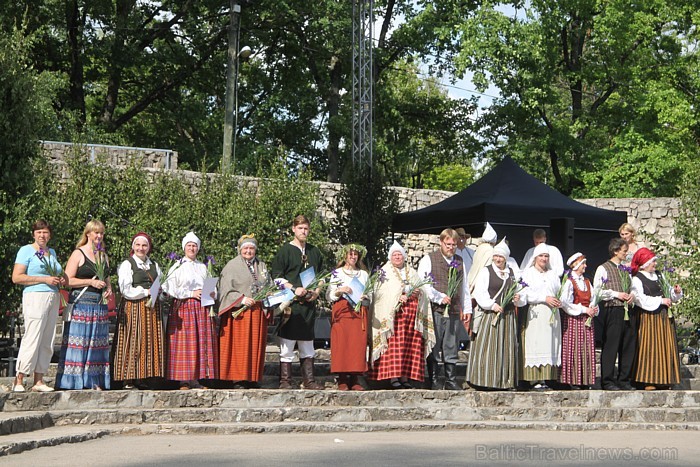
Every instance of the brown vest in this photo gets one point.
(614, 283)
(581, 296)
(495, 283)
(441, 270)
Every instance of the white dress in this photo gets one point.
(542, 337)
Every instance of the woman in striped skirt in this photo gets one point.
(193, 351)
(493, 356)
(657, 365)
(138, 353)
(578, 338)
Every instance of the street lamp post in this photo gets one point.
(231, 87)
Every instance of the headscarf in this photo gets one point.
(490, 235)
(641, 259)
(397, 247)
(249, 238)
(540, 249)
(502, 249)
(191, 237)
(146, 237)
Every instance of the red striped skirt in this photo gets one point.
(242, 344)
(404, 356)
(577, 351)
(192, 343)
(348, 338)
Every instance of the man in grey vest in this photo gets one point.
(450, 311)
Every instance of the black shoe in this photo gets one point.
(575, 387)
(451, 377)
(396, 384)
(626, 386)
(406, 385)
(611, 387)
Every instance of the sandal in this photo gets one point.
(42, 388)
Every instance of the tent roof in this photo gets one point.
(507, 196)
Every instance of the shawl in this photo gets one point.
(236, 281)
(385, 298)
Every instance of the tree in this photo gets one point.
(591, 92)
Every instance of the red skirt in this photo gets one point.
(404, 356)
(192, 344)
(348, 338)
(242, 344)
(577, 351)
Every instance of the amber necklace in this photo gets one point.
(398, 274)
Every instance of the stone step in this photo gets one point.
(417, 398)
(51, 436)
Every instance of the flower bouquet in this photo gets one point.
(413, 286)
(209, 262)
(173, 259)
(101, 266)
(626, 281)
(565, 277)
(453, 282)
(53, 268)
(595, 301)
(261, 290)
(507, 297)
(377, 277)
(666, 284)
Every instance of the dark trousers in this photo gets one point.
(619, 345)
(446, 338)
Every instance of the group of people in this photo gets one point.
(394, 325)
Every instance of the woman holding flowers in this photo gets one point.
(243, 328)
(349, 320)
(578, 337)
(493, 359)
(541, 338)
(38, 270)
(139, 336)
(402, 324)
(192, 344)
(84, 359)
(656, 364)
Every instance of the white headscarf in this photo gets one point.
(191, 237)
(397, 247)
(489, 234)
(502, 249)
(572, 259)
(540, 249)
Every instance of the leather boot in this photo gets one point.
(285, 375)
(451, 377)
(433, 379)
(307, 375)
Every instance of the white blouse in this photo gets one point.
(126, 278)
(567, 296)
(343, 279)
(185, 279)
(540, 285)
(481, 287)
(647, 302)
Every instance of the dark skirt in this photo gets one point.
(139, 341)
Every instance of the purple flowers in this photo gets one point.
(624, 268)
(454, 264)
(279, 284)
(172, 256)
(522, 283)
(40, 254)
(209, 260)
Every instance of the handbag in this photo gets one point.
(68, 309)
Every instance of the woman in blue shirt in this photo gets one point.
(38, 270)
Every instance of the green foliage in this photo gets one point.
(219, 209)
(364, 208)
(450, 177)
(686, 252)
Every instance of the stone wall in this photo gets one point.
(653, 217)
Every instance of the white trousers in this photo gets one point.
(306, 349)
(40, 311)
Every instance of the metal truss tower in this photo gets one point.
(362, 82)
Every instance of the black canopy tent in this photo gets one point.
(515, 203)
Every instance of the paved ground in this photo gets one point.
(499, 447)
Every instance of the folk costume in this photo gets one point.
(349, 328)
(84, 359)
(402, 334)
(482, 256)
(619, 335)
(191, 333)
(493, 356)
(242, 340)
(541, 338)
(139, 350)
(578, 340)
(656, 362)
(288, 264)
(446, 325)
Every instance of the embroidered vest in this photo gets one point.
(441, 270)
(614, 283)
(143, 278)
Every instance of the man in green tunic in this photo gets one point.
(293, 258)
